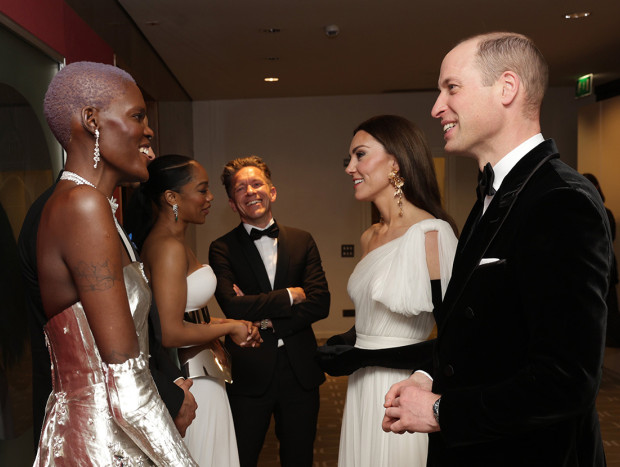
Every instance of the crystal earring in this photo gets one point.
(397, 182)
(96, 157)
(175, 209)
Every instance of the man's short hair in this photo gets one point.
(507, 51)
(235, 165)
(76, 86)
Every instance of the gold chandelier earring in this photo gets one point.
(397, 182)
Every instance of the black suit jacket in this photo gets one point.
(518, 357)
(162, 368)
(235, 260)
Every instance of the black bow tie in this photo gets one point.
(272, 231)
(485, 182)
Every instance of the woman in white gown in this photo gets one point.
(406, 263)
(179, 188)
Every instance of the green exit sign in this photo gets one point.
(584, 86)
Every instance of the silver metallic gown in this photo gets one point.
(102, 414)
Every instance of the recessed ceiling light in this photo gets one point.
(271, 79)
(152, 23)
(272, 59)
(271, 30)
(577, 15)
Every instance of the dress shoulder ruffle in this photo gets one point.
(406, 288)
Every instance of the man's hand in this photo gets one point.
(298, 295)
(416, 379)
(254, 339)
(409, 406)
(187, 412)
(238, 291)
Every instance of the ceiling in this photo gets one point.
(218, 49)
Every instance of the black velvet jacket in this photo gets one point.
(518, 357)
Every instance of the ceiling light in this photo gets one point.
(271, 30)
(577, 15)
(152, 23)
(271, 79)
(332, 30)
(272, 59)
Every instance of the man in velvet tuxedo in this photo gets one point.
(271, 275)
(518, 358)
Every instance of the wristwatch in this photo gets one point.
(436, 409)
(264, 324)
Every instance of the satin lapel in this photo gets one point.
(283, 260)
(469, 256)
(469, 227)
(254, 259)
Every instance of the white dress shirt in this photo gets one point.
(268, 249)
(506, 163)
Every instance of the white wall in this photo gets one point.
(304, 141)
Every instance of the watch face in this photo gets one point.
(436, 409)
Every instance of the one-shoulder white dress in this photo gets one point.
(391, 290)
(211, 436)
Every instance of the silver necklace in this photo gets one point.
(79, 180)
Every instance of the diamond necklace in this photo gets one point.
(78, 180)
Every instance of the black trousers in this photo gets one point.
(295, 411)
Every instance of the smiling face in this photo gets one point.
(369, 167)
(194, 198)
(469, 111)
(252, 195)
(125, 134)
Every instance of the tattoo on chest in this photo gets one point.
(95, 277)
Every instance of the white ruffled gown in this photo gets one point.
(211, 436)
(391, 290)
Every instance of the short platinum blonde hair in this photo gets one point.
(76, 86)
(498, 52)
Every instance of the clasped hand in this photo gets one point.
(187, 411)
(409, 406)
(245, 334)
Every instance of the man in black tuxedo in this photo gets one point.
(518, 358)
(173, 389)
(271, 275)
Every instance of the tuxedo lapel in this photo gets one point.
(470, 225)
(283, 260)
(254, 259)
(480, 238)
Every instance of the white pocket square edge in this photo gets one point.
(488, 260)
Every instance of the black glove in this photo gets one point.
(339, 360)
(347, 338)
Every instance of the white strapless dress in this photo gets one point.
(211, 436)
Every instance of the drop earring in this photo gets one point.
(96, 157)
(397, 182)
(175, 209)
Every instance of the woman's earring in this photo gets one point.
(96, 157)
(397, 182)
(175, 209)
